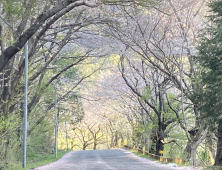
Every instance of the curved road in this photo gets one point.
(118, 159)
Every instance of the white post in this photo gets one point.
(56, 124)
(25, 107)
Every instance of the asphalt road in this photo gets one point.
(118, 159)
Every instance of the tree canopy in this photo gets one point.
(128, 72)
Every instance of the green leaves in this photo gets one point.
(13, 7)
(209, 59)
(146, 93)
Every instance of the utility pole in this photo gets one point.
(56, 123)
(67, 145)
(25, 107)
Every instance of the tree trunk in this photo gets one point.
(152, 145)
(94, 145)
(218, 160)
(128, 139)
(112, 141)
(6, 149)
(107, 142)
(84, 146)
(147, 144)
(159, 147)
(116, 139)
(134, 134)
(122, 140)
(193, 156)
(72, 145)
(210, 148)
(187, 151)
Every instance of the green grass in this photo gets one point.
(37, 160)
(212, 168)
(142, 156)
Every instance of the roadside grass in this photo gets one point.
(212, 168)
(37, 160)
(141, 155)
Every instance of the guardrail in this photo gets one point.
(160, 158)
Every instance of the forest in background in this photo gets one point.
(140, 73)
